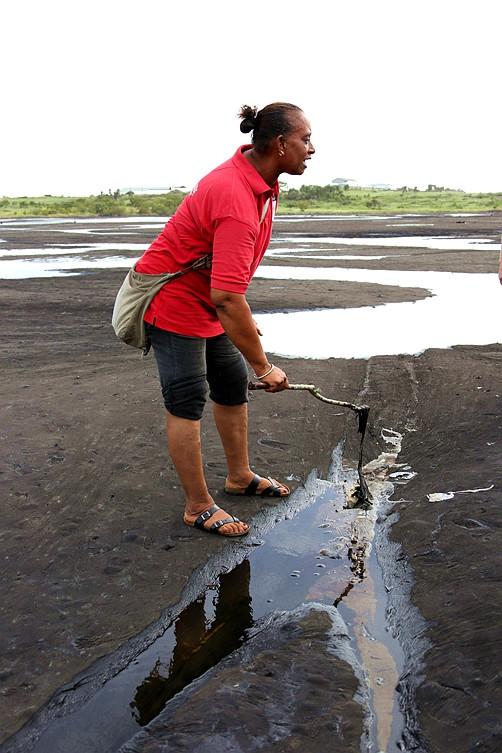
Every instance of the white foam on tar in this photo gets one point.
(441, 496)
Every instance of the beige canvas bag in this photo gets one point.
(135, 295)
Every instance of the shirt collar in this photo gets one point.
(251, 174)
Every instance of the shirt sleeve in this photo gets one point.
(233, 254)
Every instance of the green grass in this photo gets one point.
(327, 199)
(306, 200)
(104, 205)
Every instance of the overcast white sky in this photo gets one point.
(111, 94)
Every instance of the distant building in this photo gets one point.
(344, 182)
(341, 182)
(145, 190)
(379, 186)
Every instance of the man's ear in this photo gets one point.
(280, 142)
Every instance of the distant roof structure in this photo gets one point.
(153, 190)
(344, 182)
(379, 186)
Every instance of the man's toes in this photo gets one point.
(238, 527)
(284, 490)
(234, 527)
(266, 483)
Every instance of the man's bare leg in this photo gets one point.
(184, 445)
(232, 424)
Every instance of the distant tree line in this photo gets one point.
(337, 194)
(336, 199)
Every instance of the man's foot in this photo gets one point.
(259, 487)
(216, 520)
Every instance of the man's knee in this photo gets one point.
(232, 392)
(227, 372)
(186, 398)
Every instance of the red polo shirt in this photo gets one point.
(222, 214)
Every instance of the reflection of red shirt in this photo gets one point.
(222, 214)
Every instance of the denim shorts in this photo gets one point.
(188, 364)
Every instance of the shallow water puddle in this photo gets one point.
(75, 248)
(19, 269)
(322, 553)
(464, 309)
(33, 221)
(351, 217)
(440, 243)
(296, 253)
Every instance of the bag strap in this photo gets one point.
(203, 263)
(264, 210)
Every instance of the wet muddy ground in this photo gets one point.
(93, 547)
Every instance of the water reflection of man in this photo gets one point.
(200, 644)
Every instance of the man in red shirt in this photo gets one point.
(200, 324)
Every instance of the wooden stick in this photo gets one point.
(315, 391)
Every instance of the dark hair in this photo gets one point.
(273, 120)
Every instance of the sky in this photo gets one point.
(97, 96)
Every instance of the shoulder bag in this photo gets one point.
(135, 295)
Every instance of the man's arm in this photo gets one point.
(236, 319)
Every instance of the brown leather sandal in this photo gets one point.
(215, 527)
(251, 490)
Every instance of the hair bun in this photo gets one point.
(247, 115)
(247, 125)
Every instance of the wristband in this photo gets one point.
(266, 373)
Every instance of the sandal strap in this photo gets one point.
(253, 485)
(223, 522)
(199, 523)
(274, 489)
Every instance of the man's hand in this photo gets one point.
(276, 381)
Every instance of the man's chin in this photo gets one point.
(299, 170)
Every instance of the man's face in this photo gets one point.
(297, 147)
